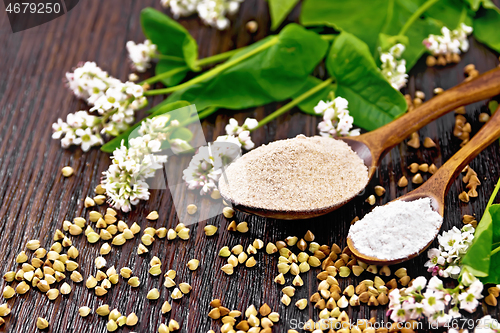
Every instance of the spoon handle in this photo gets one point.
(441, 181)
(385, 138)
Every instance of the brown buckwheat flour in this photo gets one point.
(296, 174)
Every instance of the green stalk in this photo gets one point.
(164, 75)
(214, 71)
(390, 13)
(169, 57)
(328, 38)
(426, 5)
(293, 102)
(493, 195)
(200, 62)
(490, 202)
(217, 58)
(495, 251)
(202, 115)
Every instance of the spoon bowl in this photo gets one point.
(437, 186)
(372, 146)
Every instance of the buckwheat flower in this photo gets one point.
(433, 302)
(449, 42)
(336, 118)
(398, 315)
(233, 127)
(141, 54)
(225, 149)
(323, 106)
(211, 12)
(468, 302)
(179, 146)
(59, 129)
(118, 105)
(417, 285)
(393, 68)
(435, 284)
(180, 7)
(440, 318)
(125, 180)
(242, 132)
(201, 173)
(246, 140)
(206, 166)
(89, 82)
(80, 128)
(394, 297)
(86, 139)
(250, 124)
(467, 278)
(114, 106)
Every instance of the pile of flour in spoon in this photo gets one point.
(299, 174)
(396, 230)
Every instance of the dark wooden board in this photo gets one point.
(35, 198)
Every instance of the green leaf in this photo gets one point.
(171, 38)
(386, 42)
(474, 4)
(364, 19)
(274, 74)
(164, 66)
(279, 10)
(182, 133)
(177, 47)
(368, 19)
(483, 257)
(418, 31)
(307, 105)
(447, 12)
(477, 258)
(486, 25)
(162, 108)
(373, 102)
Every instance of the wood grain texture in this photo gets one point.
(35, 198)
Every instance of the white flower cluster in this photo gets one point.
(393, 68)
(336, 118)
(125, 180)
(141, 54)
(114, 101)
(212, 12)
(450, 42)
(206, 165)
(453, 245)
(80, 128)
(438, 304)
(242, 132)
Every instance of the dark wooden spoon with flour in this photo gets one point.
(437, 186)
(372, 146)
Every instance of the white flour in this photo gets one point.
(396, 230)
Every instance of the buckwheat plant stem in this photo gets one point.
(216, 70)
(293, 102)
(426, 5)
(164, 75)
(200, 62)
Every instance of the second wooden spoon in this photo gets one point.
(438, 185)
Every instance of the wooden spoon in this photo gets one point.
(372, 146)
(438, 185)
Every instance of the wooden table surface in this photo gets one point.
(35, 198)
